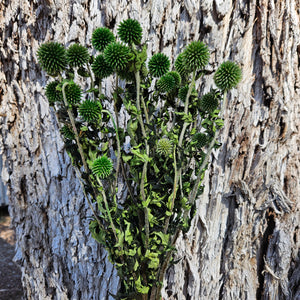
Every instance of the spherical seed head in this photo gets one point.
(209, 102)
(73, 93)
(195, 56)
(101, 37)
(227, 76)
(101, 68)
(126, 75)
(117, 55)
(52, 58)
(102, 167)
(166, 83)
(52, 94)
(77, 55)
(183, 92)
(130, 31)
(67, 133)
(176, 77)
(90, 111)
(180, 66)
(159, 64)
(164, 147)
(199, 140)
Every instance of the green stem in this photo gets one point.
(118, 147)
(107, 209)
(144, 174)
(89, 202)
(74, 128)
(209, 151)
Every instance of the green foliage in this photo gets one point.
(130, 32)
(159, 64)
(52, 94)
(101, 68)
(101, 37)
(117, 55)
(90, 110)
(172, 132)
(228, 76)
(77, 55)
(199, 140)
(67, 132)
(102, 167)
(52, 58)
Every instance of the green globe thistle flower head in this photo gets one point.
(102, 37)
(195, 56)
(166, 83)
(182, 93)
(117, 55)
(52, 58)
(159, 64)
(67, 133)
(90, 111)
(52, 94)
(164, 147)
(176, 77)
(180, 66)
(209, 102)
(227, 76)
(101, 68)
(199, 140)
(130, 31)
(77, 55)
(126, 75)
(73, 93)
(102, 167)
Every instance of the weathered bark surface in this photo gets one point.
(244, 243)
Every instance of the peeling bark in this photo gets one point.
(245, 238)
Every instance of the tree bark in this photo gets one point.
(244, 241)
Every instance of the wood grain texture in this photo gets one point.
(245, 238)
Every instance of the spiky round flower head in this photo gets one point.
(227, 76)
(101, 37)
(102, 167)
(52, 58)
(176, 77)
(164, 147)
(117, 55)
(67, 132)
(199, 140)
(101, 68)
(180, 66)
(90, 110)
(209, 102)
(166, 83)
(126, 75)
(182, 93)
(159, 64)
(52, 94)
(130, 31)
(195, 56)
(73, 93)
(77, 55)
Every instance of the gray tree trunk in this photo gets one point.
(245, 238)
